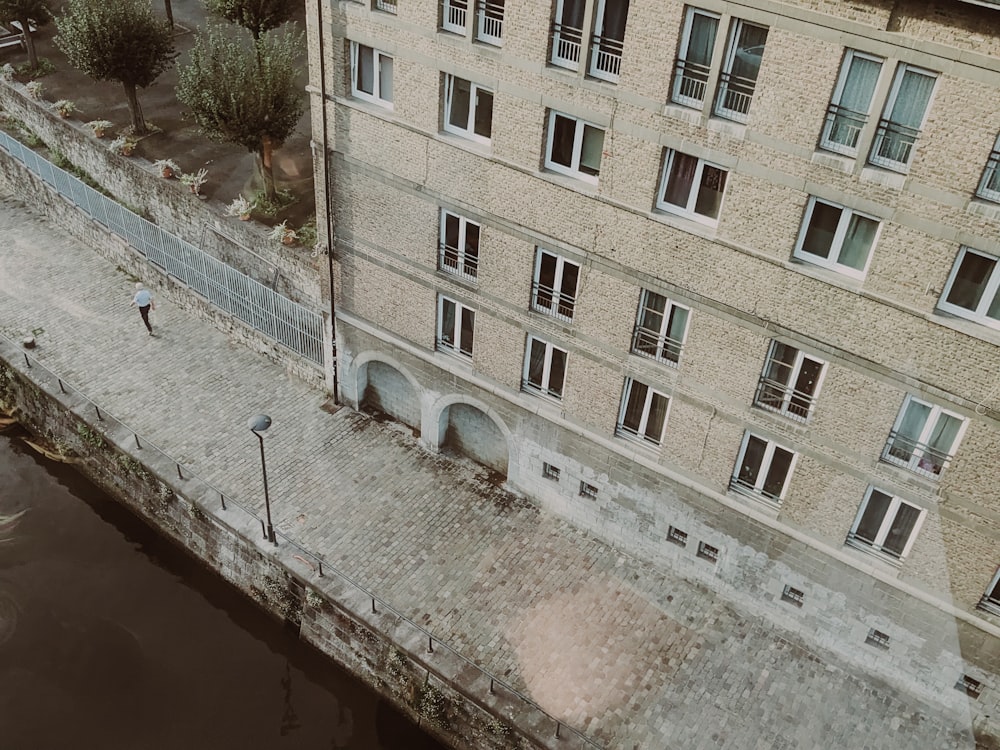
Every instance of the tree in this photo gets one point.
(257, 16)
(244, 91)
(117, 41)
(25, 11)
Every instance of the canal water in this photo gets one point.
(112, 638)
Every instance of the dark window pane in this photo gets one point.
(752, 458)
(781, 463)
(634, 408)
(970, 281)
(484, 113)
(461, 92)
(468, 330)
(902, 527)
(557, 372)
(680, 180)
(536, 363)
(871, 519)
(822, 226)
(448, 322)
(591, 151)
(563, 133)
(713, 184)
(366, 70)
(657, 417)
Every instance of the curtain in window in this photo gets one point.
(572, 14)
(902, 527)
(709, 200)
(908, 432)
(871, 519)
(365, 70)
(753, 456)
(448, 322)
(483, 125)
(911, 100)
(701, 40)
(781, 463)
(635, 406)
(680, 179)
(858, 241)
(942, 438)
(675, 333)
(385, 78)
(536, 363)
(859, 85)
(615, 16)
(590, 151)
(557, 372)
(657, 416)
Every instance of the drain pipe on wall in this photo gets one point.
(326, 195)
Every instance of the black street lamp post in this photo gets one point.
(258, 425)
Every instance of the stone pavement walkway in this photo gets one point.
(635, 658)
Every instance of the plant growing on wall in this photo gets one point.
(167, 167)
(241, 207)
(34, 89)
(100, 127)
(283, 233)
(123, 145)
(27, 13)
(64, 107)
(194, 180)
(243, 91)
(117, 41)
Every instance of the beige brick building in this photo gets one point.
(719, 282)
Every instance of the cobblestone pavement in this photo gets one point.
(634, 657)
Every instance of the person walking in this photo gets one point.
(143, 299)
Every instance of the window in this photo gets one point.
(836, 237)
(588, 491)
(489, 21)
(707, 552)
(567, 33)
(458, 251)
(677, 536)
(851, 103)
(903, 117)
(660, 328)
(989, 186)
(456, 327)
(371, 75)
(793, 596)
(739, 70)
(551, 472)
(694, 58)
(973, 288)
(643, 413)
(789, 382)
(453, 14)
(691, 187)
(574, 147)
(544, 368)
(877, 638)
(762, 469)
(554, 289)
(609, 37)
(924, 438)
(468, 109)
(886, 524)
(387, 6)
(991, 599)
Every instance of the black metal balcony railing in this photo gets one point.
(918, 457)
(655, 345)
(842, 129)
(690, 83)
(989, 187)
(784, 399)
(552, 302)
(606, 57)
(490, 25)
(735, 95)
(566, 43)
(893, 146)
(459, 262)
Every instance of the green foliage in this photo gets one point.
(44, 67)
(88, 436)
(306, 234)
(257, 16)
(25, 11)
(116, 41)
(270, 207)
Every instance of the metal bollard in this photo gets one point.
(138, 445)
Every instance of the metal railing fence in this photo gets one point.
(265, 310)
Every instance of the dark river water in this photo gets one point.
(111, 638)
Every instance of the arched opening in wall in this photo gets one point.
(469, 431)
(388, 392)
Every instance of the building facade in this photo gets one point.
(718, 282)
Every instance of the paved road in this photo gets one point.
(634, 657)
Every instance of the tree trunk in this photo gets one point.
(264, 168)
(29, 43)
(170, 12)
(138, 123)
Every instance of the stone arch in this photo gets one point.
(470, 427)
(384, 385)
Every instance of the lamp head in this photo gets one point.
(259, 423)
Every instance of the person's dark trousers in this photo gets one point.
(144, 312)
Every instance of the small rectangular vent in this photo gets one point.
(708, 552)
(877, 638)
(793, 596)
(971, 687)
(677, 536)
(550, 472)
(588, 491)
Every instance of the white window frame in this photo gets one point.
(377, 56)
(916, 460)
(639, 435)
(757, 490)
(461, 266)
(469, 131)
(665, 346)
(838, 93)
(732, 44)
(559, 306)
(991, 173)
(681, 64)
(989, 294)
(489, 21)
(885, 526)
(688, 210)
(567, 42)
(991, 596)
(455, 346)
(544, 389)
(789, 392)
(573, 170)
(837, 244)
(386, 6)
(454, 15)
(605, 53)
(890, 103)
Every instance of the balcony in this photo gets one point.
(917, 457)
(781, 398)
(605, 58)
(489, 27)
(841, 130)
(552, 302)
(566, 43)
(453, 15)
(459, 262)
(735, 95)
(893, 146)
(653, 344)
(690, 83)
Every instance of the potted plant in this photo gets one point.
(194, 180)
(168, 168)
(123, 145)
(283, 233)
(240, 207)
(64, 107)
(34, 89)
(100, 127)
